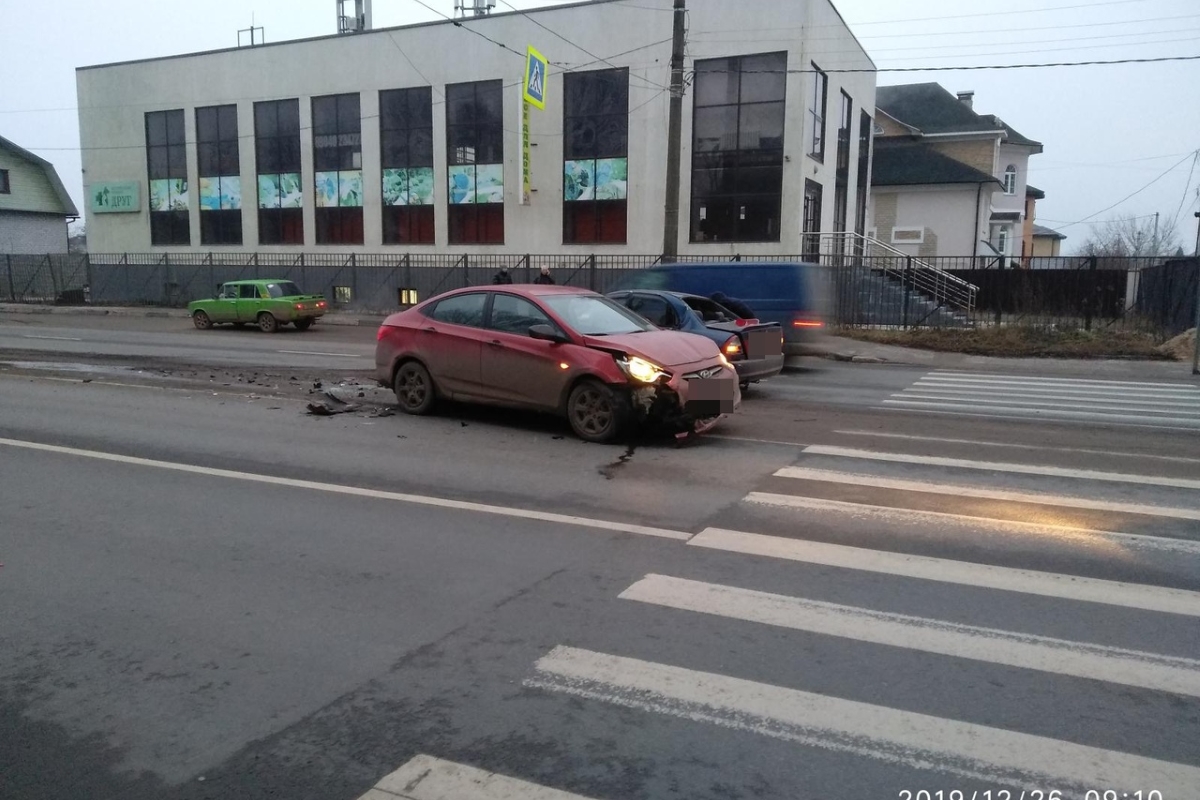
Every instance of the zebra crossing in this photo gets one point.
(826, 483)
(1132, 403)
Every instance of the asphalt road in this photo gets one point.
(873, 580)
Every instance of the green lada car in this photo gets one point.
(265, 303)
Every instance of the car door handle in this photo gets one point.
(430, 330)
(496, 343)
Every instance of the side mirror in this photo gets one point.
(546, 333)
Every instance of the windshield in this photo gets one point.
(595, 316)
(286, 289)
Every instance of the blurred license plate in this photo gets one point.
(764, 343)
(709, 397)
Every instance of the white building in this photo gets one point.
(409, 139)
(34, 206)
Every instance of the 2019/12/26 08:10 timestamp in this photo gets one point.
(1033, 794)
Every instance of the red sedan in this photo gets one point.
(556, 349)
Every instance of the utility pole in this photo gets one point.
(670, 251)
(1196, 258)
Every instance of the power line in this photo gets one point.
(1168, 171)
(1001, 13)
(459, 24)
(1186, 186)
(1156, 60)
(577, 46)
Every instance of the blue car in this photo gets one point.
(782, 292)
(754, 348)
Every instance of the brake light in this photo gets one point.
(379, 334)
(321, 304)
(741, 323)
(732, 348)
(299, 306)
(807, 323)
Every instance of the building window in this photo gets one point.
(5, 186)
(166, 161)
(812, 220)
(280, 188)
(841, 194)
(406, 152)
(818, 101)
(865, 129)
(1003, 235)
(475, 152)
(596, 157)
(220, 175)
(337, 164)
(737, 149)
(1010, 180)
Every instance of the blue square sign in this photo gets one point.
(535, 79)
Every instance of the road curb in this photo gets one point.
(346, 320)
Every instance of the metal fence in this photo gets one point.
(857, 289)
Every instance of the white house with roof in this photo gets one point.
(34, 206)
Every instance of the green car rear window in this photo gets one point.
(286, 289)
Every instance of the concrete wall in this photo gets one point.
(31, 189)
(979, 153)
(1046, 247)
(113, 100)
(22, 232)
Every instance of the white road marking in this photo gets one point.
(891, 515)
(429, 778)
(993, 377)
(415, 499)
(1190, 410)
(1014, 446)
(963, 573)
(1052, 389)
(1027, 651)
(1138, 420)
(1045, 398)
(1062, 418)
(309, 353)
(955, 490)
(54, 338)
(916, 741)
(990, 466)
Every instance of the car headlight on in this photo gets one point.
(642, 370)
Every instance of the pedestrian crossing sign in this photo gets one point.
(535, 79)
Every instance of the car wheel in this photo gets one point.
(202, 321)
(267, 322)
(594, 412)
(414, 389)
(303, 324)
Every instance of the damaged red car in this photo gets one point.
(559, 350)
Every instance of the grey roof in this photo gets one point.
(1034, 192)
(930, 108)
(915, 164)
(1048, 233)
(60, 191)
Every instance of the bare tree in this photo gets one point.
(1130, 237)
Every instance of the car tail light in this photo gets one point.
(381, 333)
(801, 322)
(732, 348)
(299, 306)
(321, 304)
(741, 323)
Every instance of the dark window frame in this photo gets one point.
(818, 89)
(737, 190)
(5, 183)
(866, 130)
(594, 135)
(811, 237)
(166, 159)
(399, 134)
(277, 148)
(341, 224)
(472, 141)
(841, 196)
(218, 157)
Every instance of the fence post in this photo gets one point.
(408, 284)
(592, 272)
(1089, 297)
(466, 262)
(1196, 355)
(353, 276)
(904, 286)
(1000, 296)
(12, 288)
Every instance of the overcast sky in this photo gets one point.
(1108, 130)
